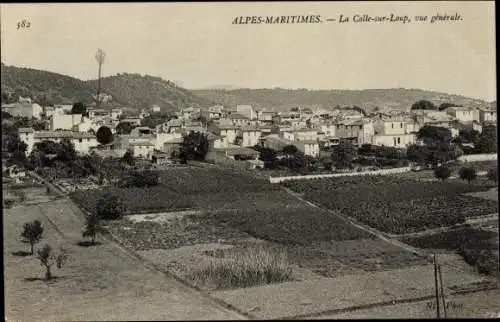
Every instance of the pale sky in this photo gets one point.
(196, 44)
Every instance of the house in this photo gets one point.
(82, 141)
(48, 111)
(301, 134)
(246, 110)
(172, 145)
(155, 109)
(393, 132)
(134, 121)
(65, 121)
(98, 112)
(161, 138)
(28, 110)
(142, 149)
(116, 113)
(189, 113)
(230, 132)
(488, 115)
(250, 136)
(265, 118)
(308, 147)
(239, 119)
(463, 114)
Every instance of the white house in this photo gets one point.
(82, 141)
(246, 110)
(251, 136)
(488, 115)
(28, 110)
(65, 121)
(393, 132)
(463, 114)
(229, 132)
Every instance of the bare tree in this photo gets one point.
(100, 56)
(48, 259)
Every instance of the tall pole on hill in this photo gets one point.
(436, 287)
(99, 56)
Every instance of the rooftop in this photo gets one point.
(63, 134)
(236, 116)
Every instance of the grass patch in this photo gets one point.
(252, 267)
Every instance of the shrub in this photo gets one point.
(493, 174)
(254, 266)
(442, 173)
(467, 173)
(109, 207)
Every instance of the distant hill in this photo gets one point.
(139, 91)
(131, 90)
(43, 87)
(370, 99)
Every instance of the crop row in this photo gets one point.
(196, 180)
(373, 189)
(415, 215)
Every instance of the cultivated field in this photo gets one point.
(398, 205)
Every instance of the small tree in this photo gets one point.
(48, 259)
(128, 158)
(78, 108)
(442, 173)
(493, 174)
(32, 233)
(467, 173)
(92, 225)
(104, 135)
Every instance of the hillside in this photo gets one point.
(369, 99)
(131, 90)
(43, 87)
(143, 91)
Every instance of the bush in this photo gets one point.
(254, 266)
(442, 173)
(109, 207)
(467, 173)
(493, 174)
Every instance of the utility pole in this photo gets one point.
(442, 291)
(99, 56)
(436, 287)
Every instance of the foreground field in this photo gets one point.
(99, 283)
(478, 247)
(398, 205)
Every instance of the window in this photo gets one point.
(399, 140)
(80, 140)
(401, 125)
(394, 139)
(392, 125)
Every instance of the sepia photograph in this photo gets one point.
(249, 160)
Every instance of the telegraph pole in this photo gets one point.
(99, 56)
(437, 289)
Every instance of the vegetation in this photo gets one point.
(396, 205)
(92, 226)
(423, 105)
(134, 90)
(473, 244)
(128, 158)
(493, 174)
(43, 87)
(47, 259)
(343, 154)
(467, 173)
(442, 173)
(281, 99)
(32, 233)
(109, 207)
(487, 140)
(253, 267)
(123, 128)
(194, 147)
(79, 108)
(138, 91)
(104, 135)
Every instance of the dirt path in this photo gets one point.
(102, 282)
